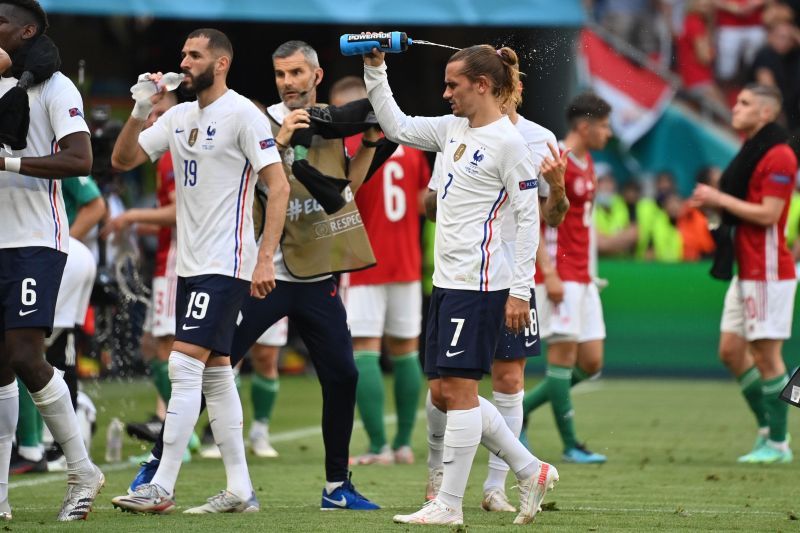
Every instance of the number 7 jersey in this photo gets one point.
(217, 152)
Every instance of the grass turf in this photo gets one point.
(672, 447)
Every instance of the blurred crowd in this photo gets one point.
(663, 226)
(715, 46)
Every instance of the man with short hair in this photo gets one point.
(305, 289)
(217, 143)
(570, 313)
(754, 197)
(33, 251)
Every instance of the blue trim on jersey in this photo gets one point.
(484, 243)
(236, 225)
(446, 185)
(53, 207)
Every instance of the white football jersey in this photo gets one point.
(487, 174)
(33, 208)
(217, 152)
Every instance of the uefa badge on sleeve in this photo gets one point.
(791, 392)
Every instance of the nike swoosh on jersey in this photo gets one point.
(529, 344)
(187, 328)
(448, 354)
(338, 503)
(26, 313)
(179, 131)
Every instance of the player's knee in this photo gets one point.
(508, 382)
(24, 349)
(729, 354)
(592, 368)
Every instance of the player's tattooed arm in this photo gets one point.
(555, 208)
(359, 165)
(552, 282)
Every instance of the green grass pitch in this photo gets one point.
(671, 444)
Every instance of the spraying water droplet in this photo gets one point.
(418, 41)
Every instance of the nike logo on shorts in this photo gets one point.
(26, 313)
(448, 354)
(529, 344)
(187, 328)
(337, 503)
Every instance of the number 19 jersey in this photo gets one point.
(217, 152)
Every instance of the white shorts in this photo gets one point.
(759, 309)
(737, 45)
(578, 318)
(276, 334)
(394, 309)
(162, 306)
(76, 286)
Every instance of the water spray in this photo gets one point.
(352, 44)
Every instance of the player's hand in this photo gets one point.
(374, 58)
(114, 225)
(518, 314)
(705, 196)
(554, 287)
(263, 279)
(554, 169)
(296, 120)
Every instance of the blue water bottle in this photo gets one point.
(353, 44)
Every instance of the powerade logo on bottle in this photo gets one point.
(383, 38)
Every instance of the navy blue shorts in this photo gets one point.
(207, 308)
(29, 281)
(513, 346)
(462, 334)
(315, 310)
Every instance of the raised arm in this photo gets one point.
(419, 132)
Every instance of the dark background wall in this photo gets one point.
(117, 49)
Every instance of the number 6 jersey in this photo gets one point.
(217, 152)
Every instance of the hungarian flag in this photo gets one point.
(637, 96)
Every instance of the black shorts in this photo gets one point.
(463, 329)
(513, 346)
(207, 308)
(30, 278)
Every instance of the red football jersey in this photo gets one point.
(568, 245)
(761, 252)
(726, 18)
(165, 188)
(388, 203)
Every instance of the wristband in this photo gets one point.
(370, 144)
(12, 164)
(141, 110)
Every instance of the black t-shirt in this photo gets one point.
(786, 71)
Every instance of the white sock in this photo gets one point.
(331, 486)
(31, 453)
(461, 439)
(499, 440)
(186, 376)
(437, 422)
(510, 408)
(226, 418)
(55, 405)
(9, 414)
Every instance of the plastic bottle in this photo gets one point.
(353, 44)
(147, 88)
(114, 441)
